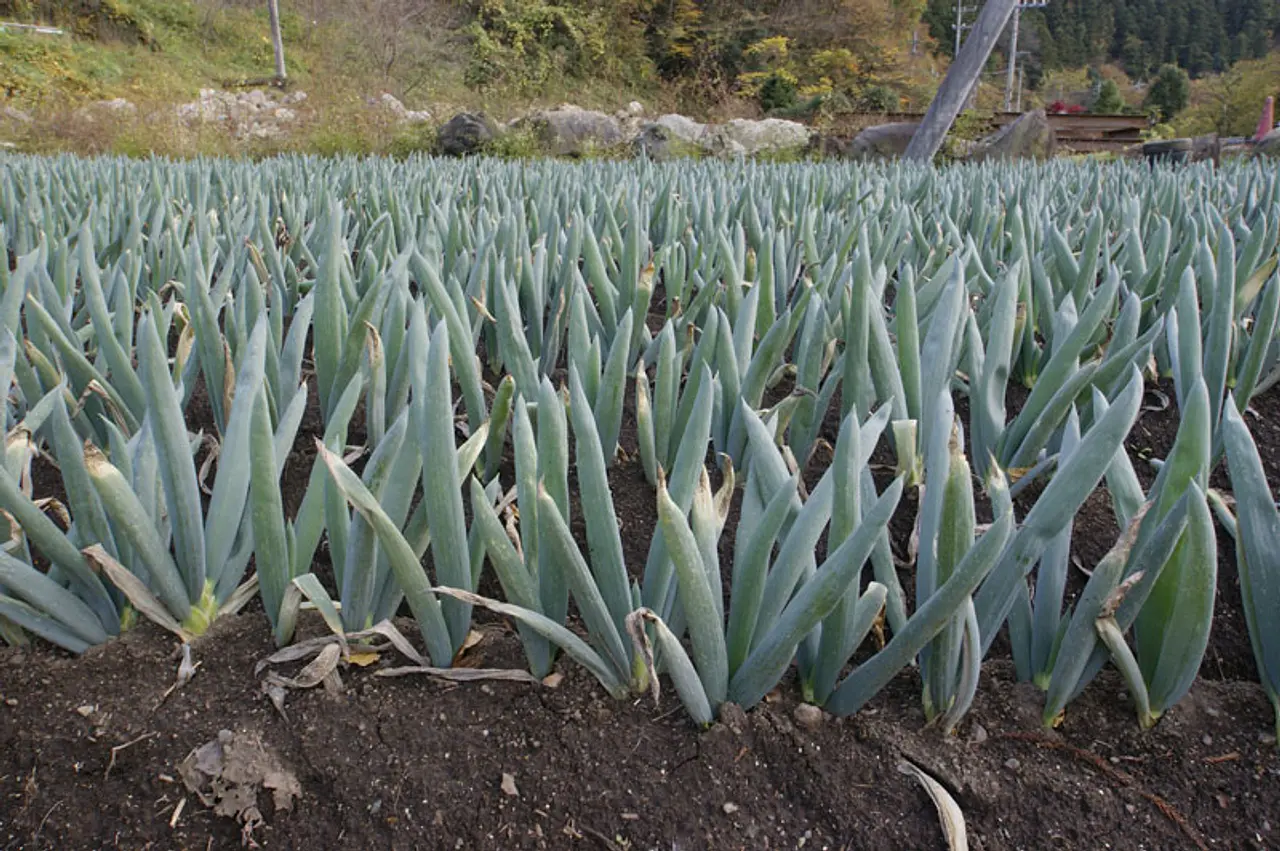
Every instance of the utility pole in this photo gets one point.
(1021, 75)
(277, 41)
(1013, 48)
(961, 26)
(960, 79)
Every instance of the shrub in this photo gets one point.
(517, 143)
(778, 92)
(879, 98)
(1108, 100)
(1170, 92)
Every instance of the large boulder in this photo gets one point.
(770, 136)
(1031, 136)
(883, 141)
(674, 135)
(466, 133)
(671, 136)
(572, 131)
(659, 144)
(1269, 145)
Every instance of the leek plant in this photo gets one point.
(381, 501)
(1257, 525)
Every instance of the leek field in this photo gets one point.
(903, 444)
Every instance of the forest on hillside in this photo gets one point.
(1200, 36)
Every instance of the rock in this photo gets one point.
(509, 785)
(251, 115)
(631, 120)
(1269, 145)
(402, 114)
(107, 109)
(12, 113)
(632, 111)
(730, 808)
(572, 131)
(772, 135)
(466, 133)
(673, 135)
(683, 128)
(261, 130)
(883, 141)
(118, 106)
(808, 716)
(835, 147)
(1031, 136)
(652, 143)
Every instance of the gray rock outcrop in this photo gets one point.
(883, 141)
(1030, 136)
(768, 136)
(466, 133)
(569, 130)
(255, 114)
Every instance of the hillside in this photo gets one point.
(808, 59)
(486, 52)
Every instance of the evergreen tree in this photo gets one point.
(1170, 92)
(1108, 101)
(1199, 36)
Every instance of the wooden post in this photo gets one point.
(277, 41)
(960, 79)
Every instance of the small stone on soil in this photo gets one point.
(509, 785)
(808, 716)
(1012, 764)
(730, 809)
(978, 735)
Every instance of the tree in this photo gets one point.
(1170, 92)
(1108, 101)
(1200, 36)
(277, 40)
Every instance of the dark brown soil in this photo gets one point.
(416, 763)
(412, 763)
